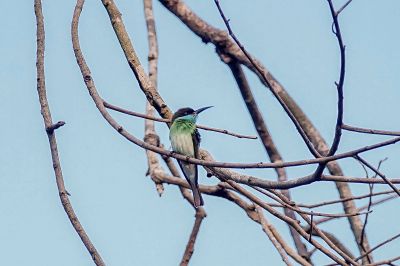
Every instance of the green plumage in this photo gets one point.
(185, 140)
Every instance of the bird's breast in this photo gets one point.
(182, 143)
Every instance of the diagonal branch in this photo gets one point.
(200, 215)
(298, 228)
(310, 146)
(278, 245)
(145, 85)
(272, 233)
(379, 245)
(266, 139)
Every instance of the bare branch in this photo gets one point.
(385, 262)
(281, 102)
(266, 139)
(50, 127)
(378, 246)
(334, 240)
(325, 203)
(323, 220)
(145, 85)
(286, 203)
(297, 226)
(223, 131)
(270, 229)
(387, 181)
(339, 85)
(200, 215)
(370, 131)
(150, 135)
(281, 250)
(342, 8)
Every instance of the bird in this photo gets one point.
(185, 140)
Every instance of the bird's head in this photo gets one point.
(188, 113)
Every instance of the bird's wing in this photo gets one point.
(196, 143)
(190, 170)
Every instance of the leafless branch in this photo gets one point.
(151, 137)
(342, 8)
(387, 181)
(272, 238)
(223, 131)
(385, 262)
(200, 215)
(298, 228)
(374, 203)
(334, 240)
(270, 229)
(378, 246)
(286, 203)
(339, 85)
(325, 203)
(281, 102)
(265, 138)
(50, 128)
(370, 131)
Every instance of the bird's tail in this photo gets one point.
(198, 200)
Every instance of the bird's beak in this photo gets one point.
(198, 111)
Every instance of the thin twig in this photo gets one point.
(325, 203)
(334, 240)
(269, 227)
(339, 85)
(342, 8)
(387, 181)
(371, 187)
(50, 127)
(370, 131)
(378, 246)
(286, 203)
(311, 226)
(323, 220)
(384, 262)
(150, 117)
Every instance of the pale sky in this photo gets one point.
(117, 204)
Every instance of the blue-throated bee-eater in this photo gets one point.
(185, 140)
